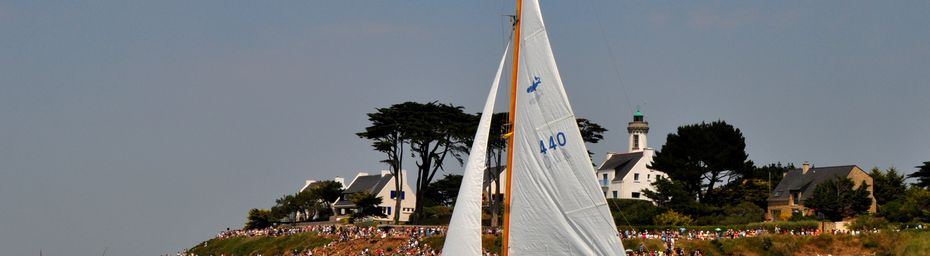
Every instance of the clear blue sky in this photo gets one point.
(148, 126)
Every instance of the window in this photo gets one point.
(796, 197)
(635, 177)
(635, 195)
(635, 141)
(605, 194)
(389, 211)
(605, 176)
(615, 193)
(402, 194)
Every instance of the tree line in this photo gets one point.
(711, 179)
(433, 133)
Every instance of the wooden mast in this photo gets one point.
(513, 105)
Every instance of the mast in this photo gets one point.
(513, 105)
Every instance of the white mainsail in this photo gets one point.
(557, 207)
(464, 234)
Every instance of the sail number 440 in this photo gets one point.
(554, 143)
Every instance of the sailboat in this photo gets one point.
(553, 204)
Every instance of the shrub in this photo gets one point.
(672, 218)
(867, 222)
(632, 211)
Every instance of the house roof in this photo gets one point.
(796, 180)
(622, 163)
(370, 183)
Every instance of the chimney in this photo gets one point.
(342, 181)
(805, 167)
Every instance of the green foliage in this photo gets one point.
(784, 225)
(888, 185)
(366, 204)
(436, 215)
(742, 213)
(433, 131)
(922, 175)
(672, 218)
(672, 195)
(260, 245)
(591, 132)
(444, 191)
(868, 222)
(703, 156)
(836, 199)
(284, 206)
(914, 206)
(632, 211)
(259, 219)
(389, 135)
(755, 191)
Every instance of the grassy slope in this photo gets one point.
(260, 245)
(889, 243)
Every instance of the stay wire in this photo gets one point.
(613, 58)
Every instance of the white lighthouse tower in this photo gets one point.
(638, 130)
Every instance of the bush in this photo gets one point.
(867, 222)
(672, 218)
(742, 213)
(632, 211)
(435, 215)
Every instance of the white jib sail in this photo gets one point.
(557, 206)
(464, 234)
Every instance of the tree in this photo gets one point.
(913, 206)
(366, 204)
(836, 199)
(702, 156)
(591, 132)
(327, 192)
(307, 204)
(671, 195)
(888, 185)
(259, 219)
(771, 173)
(436, 131)
(755, 191)
(497, 146)
(284, 206)
(444, 191)
(388, 135)
(922, 175)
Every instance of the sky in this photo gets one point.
(145, 127)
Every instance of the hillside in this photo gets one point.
(885, 243)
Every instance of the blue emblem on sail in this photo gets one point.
(536, 83)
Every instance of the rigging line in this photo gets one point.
(613, 58)
(620, 211)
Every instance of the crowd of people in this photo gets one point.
(412, 238)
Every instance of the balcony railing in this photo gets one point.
(604, 183)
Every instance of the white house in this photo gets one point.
(382, 185)
(625, 175)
